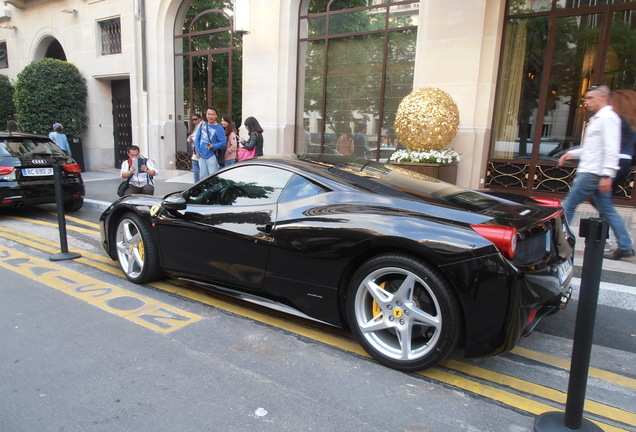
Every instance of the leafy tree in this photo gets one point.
(49, 91)
(7, 109)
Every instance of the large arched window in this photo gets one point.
(551, 52)
(208, 66)
(355, 65)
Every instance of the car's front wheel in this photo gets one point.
(403, 312)
(136, 249)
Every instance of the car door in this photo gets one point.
(223, 235)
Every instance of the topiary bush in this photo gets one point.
(7, 109)
(49, 91)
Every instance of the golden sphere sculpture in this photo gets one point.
(426, 119)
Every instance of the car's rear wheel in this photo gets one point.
(403, 312)
(136, 249)
(73, 205)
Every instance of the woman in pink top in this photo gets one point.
(231, 135)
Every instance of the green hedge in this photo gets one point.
(50, 91)
(7, 109)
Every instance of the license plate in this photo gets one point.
(33, 172)
(564, 269)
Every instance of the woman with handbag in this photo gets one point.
(232, 139)
(254, 145)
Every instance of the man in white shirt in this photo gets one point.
(196, 121)
(598, 164)
(140, 181)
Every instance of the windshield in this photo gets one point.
(17, 147)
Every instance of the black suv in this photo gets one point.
(26, 172)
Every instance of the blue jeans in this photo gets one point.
(208, 166)
(586, 185)
(195, 170)
(229, 162)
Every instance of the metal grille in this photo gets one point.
(111, 36)
(4, 58)
(507, 175)
(183, 161)
(123, 129)
(550, 178)
(546, 178)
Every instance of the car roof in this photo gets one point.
(390, 181)
(6, 134)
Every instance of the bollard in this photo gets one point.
(61, 221)
(595, 231)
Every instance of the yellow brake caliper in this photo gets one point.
(140, 248)
(376, 308)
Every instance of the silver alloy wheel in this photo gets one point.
(402, 321)
(130, 248)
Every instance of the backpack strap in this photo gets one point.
(144, 161)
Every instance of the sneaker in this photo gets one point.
(620, 254)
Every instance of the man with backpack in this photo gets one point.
(139, 172)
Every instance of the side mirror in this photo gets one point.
(174, 202)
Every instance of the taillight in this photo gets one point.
(7, 173)
(531, 315)
(504, 238)
(548, 202)
(72, 168)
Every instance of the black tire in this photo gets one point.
(136, 250)
(403, 312)
(73, 205)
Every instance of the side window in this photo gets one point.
(240, 186)
(299, 188)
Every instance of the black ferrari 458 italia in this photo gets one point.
(415, 267)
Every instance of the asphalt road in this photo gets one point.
(85, 350)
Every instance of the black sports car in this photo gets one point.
(414, 266)
(26, 172)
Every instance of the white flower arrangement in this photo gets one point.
(443, 156)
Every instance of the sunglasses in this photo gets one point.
(595, 87)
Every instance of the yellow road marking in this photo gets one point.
(82, 221)
(39, 222)
(620, 380)
(500, 395)
(541, 391)
(103, 263)
(139, 309)
(503, 396)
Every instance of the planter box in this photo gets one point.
(443, 172)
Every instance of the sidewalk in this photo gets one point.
(101, 187)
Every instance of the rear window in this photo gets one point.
(17, 147)
(395, 181)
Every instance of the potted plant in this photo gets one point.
(426, 121)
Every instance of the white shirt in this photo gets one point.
(139, 179)
(601, 144)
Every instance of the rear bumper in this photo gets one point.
(12, 194)
(501, 303)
